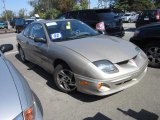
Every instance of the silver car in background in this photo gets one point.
(81, 58)
(17, 100)
(130, 17)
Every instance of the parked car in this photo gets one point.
(19, 24)
(80, 58)
(147, 17)
(130, 17)
(101, 19)
(148, 39)
(17, 99)
(3, 25)
(12, 22)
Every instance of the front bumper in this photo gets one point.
(110, 86)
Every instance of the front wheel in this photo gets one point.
(153, 53)
(64, 78)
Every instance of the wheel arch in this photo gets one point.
(60, 61)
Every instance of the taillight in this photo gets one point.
(100, 26)
(158, 16)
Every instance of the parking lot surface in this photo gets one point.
(140, 102)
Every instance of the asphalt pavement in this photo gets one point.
(140, 102)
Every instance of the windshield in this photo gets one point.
(19, 21)
(69, 30)
(127, 14)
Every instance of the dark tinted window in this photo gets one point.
(19, 21)
(127, 14)
(87, 15)
(149, 13)
(37, 31)
(107, 16)
(72, 15)
(62, 16)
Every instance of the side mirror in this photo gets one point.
(6, 47)
(101, 32)
(41, 40)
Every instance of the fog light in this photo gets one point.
(99, 85)
(83, 82)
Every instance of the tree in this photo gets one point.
(10, 14)
(134, 5)
(157, 3)
(22, 13)
(50, 8)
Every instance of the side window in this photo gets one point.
(63, 16)
(26, 31)
(88, 15)
(73, 15)
(37, 31)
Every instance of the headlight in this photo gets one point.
(138, 49)
(106, 66)
(136, 33)
(28, 114)
(19, 117)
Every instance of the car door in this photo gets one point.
(40, 49)
(24, 41)
(155, 32)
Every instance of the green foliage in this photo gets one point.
(22, 13)
(51, 13)
(134, 5)
(49, 9)
(10, 14)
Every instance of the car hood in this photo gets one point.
(102, 47)
(9, 100)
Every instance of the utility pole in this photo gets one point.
(4, 7)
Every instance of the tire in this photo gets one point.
(22, 55)
(129, 20)
(153, 54)
(64, 78)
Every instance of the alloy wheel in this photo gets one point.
(153, 54)
(65, 80)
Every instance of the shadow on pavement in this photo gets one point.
(98, 116)
(40, 71)
(142, 115)
(48, 77)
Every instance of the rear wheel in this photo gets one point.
(153, 53)
(64, 78)
(22, 55)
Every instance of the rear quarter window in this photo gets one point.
(88, 15)
(149, 13)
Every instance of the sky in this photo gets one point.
(16, 5)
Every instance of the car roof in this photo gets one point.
(150, 25)
(96, 10)
(55, 20)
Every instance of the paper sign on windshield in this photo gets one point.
(68, 26)
(51, 23)
(56, 35)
